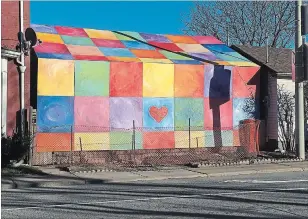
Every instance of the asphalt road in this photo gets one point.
(280, 195)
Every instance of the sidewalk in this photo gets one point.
(56, 177)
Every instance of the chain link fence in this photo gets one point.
(142, 146)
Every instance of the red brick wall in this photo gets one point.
(10, 28)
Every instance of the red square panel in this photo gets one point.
(125, 79)
(108, 43)
(218, 111)
(52, 48)
(71, 31)
(158, 140)
(169, 46)
(90, 58)
(245, 80)
(48, 142)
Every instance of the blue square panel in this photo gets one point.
(186, 62)
(55, 113)
(54, 56)
(218, 81)
(43, 28)
(117, 52)
(230, 56)
(218, 48)
(136, 45)
(218, 138)
(158, 114)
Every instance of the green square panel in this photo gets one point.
(174, 56)
(80, 41)
(92, 78)
(131, 34)
(123, 140)
(189, 108)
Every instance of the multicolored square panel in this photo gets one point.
(94, 86)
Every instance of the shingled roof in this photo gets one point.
(280, 59)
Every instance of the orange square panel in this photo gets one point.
(189, 80)
(48, 142)
(141, 53)
(181, 39)
(236, 137)
(84, 50)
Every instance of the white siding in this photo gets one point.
(272, 125)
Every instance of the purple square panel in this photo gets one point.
(123, 111)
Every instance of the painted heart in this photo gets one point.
(158, 114)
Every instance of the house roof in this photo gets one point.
(72, 43)
(280, 60)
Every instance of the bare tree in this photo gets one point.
(245, 22)
(286, 112)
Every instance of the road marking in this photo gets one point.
(150, 199)
(267, 181)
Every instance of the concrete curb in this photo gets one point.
(202, 164)
(15, 184)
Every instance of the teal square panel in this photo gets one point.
(221, 138)
(123, 140)
(92, 78)
(189, 108)
(80, 41)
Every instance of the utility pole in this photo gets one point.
(22, 68)
(299, 86)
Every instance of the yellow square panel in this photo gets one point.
(196, 139)
(49, 38)
(167, 61)
(197, 48)
(222, 62)
(55, 77)
(158, 80)
(91, 141)
(101, 34)
(243, 64)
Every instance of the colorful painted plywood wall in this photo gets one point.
(93, 84)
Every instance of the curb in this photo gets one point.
(202, 164)
(20, 185)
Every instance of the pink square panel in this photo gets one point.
(108, 43)
(52, 48)
(207, 40)
(218, 112)
(71, 31)
(91, 114)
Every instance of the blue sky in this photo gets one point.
(148, 17)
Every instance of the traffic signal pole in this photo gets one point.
(299, 86)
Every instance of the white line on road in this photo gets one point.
(266, 181)
(149, 199)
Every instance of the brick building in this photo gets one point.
(9, 73)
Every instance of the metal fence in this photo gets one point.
(142, 146)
